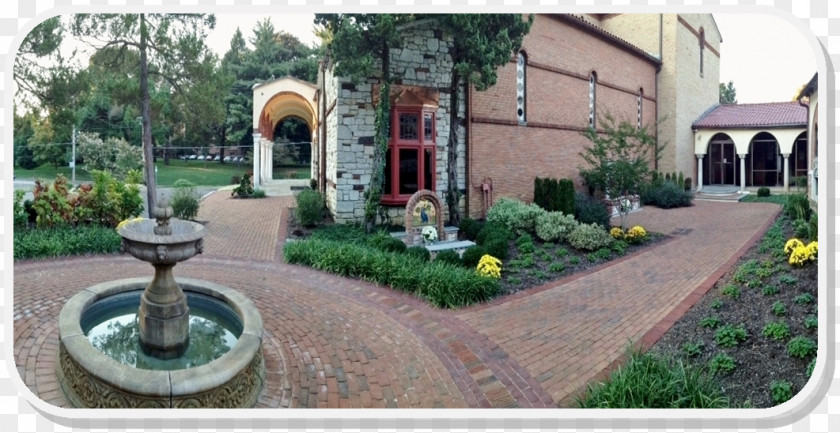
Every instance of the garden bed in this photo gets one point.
(763, 289)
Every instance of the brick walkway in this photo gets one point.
(334, 342)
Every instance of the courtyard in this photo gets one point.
(343, 343)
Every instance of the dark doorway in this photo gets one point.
(721, 166)
(764, 165)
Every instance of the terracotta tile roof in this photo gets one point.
(763, 115)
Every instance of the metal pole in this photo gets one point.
(73, 156)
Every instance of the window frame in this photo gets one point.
(421, 145)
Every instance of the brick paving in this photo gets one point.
(342, 343)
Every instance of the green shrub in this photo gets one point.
(721, 363)
(385, 242)
(184, 200)
(781, 391)
(310, 207)
(350, 232)
(801, 228)
(491, 230)
(499, 248)
(813, 228)
(710, 322)
(730, 336)
(557, 267)
(779, 308)
(669, 195)
(803, 299)
(589, 237)
(764, 192)
(516, 216)
(448, 256)
(769, 290)
(472, 255)
(566, 195)
(654, 381)
(811, 322)
(776, 330)
(21, 219)
(801, 347)
(541, 192)
(731, 290)
(419, 252)
(555, 226)
(245, 188)
(692, 348)
(469, 228)
(797, 207)
(65, 241)
(525, 238)
(258, 193)
(589, 210)
(716, 304)
(524, 261)
(442, 284)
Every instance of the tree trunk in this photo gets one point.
(148, 155)
(382, 136)
(452, 193)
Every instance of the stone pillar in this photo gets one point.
(699, 172)
(743, 158)
(266, 162)
(256, 156)
(269, 161)
(786, 171)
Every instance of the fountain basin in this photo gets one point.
(90, 378)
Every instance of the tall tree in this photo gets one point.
(166, 44)
(361, 45)
(38, 58)
(727, 93)
(482, 43)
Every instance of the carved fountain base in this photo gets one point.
(164, 316)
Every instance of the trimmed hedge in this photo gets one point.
(442, 284)
(65, 241)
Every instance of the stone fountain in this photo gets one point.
(127, 343)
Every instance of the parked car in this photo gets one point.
(193, 157)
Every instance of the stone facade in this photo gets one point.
(423, 62)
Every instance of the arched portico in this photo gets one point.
(763, 136)
(273, 102)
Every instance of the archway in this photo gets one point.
(721, 164)
(275, 102)
(292, 149)
(764, 161)
(798, 167)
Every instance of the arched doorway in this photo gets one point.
(764, 161)
(292, 149)
(799, 165)
(721, 164)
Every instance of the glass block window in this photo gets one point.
(520, 86)
(592, 82)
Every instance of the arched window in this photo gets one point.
(702, 48)
(639, 99)
(521, 61)
(593, 79)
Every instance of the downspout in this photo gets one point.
(322, 154)
(467, 145)
(656, 94)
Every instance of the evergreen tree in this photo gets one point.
(727, 93)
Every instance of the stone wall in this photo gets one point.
(423, 61)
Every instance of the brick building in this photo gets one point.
(570, 72)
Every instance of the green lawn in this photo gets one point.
(198, 172)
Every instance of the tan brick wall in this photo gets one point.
(560, 59)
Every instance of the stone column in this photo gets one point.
(269, 160)
(743, 158)
(786, 171)
(256, 156)
(266, 162)
(699, 172)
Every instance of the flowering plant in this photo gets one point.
(429, 234)
(126, 222)
(792, 245)
(636, 233)
(489, 266)
(616, 232)
(800, 254)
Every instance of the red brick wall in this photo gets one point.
(560, 58)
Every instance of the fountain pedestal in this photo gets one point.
(163, 316)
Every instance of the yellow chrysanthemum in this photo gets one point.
(126, 222)
(792, 245)
(617, 233)
(489, 266)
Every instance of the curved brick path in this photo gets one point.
(334, 342)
